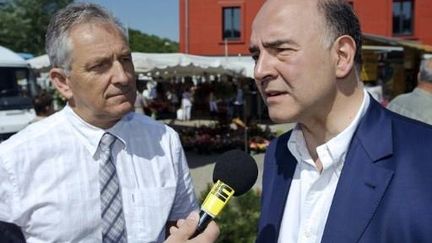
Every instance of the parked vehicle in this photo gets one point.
(17, 87)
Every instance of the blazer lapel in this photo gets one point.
(364, 179)
(281, 187)
(282, 175)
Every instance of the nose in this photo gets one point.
(264, 68)
(120, 73)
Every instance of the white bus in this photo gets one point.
(17, 87)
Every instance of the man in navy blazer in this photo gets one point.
(350, 170)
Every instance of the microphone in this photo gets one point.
(234, 174)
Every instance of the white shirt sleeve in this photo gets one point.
(7, 194)
(185, 199)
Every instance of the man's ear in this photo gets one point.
(61, 82)
(345, 48)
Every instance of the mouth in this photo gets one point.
(123, 93)
(274, 96)
(116, 95)
(273, 93)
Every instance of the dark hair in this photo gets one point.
(341, 20)
(41, 102)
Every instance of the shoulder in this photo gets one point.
(400, 100)
(401, 122)
(35, 134)
(142, 123)
(35, 143)
(410, 139)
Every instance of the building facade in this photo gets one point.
(216, 27)
(223, 27)
(405, 19)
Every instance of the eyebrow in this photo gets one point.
(102, 58)
(272, 44)
(99, 59)
(277, 43)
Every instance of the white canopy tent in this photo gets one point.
(176, 64)
(9, 58)
(40, 63)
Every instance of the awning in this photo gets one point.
(396, 42)
(176, 64)
(381, 48)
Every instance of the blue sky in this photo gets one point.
(157, 17)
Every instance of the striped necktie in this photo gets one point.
(113, 222)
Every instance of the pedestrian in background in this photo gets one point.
(43, 105)
(186, 103)
(417, 104)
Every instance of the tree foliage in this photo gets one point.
(23, 23)
(141, 42)
(238, 221)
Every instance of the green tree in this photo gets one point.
(23, 23)
(238, 221)
(141, 42)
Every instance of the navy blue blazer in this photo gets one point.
(384, 193)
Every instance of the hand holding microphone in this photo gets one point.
(234, 174)
(186, 227)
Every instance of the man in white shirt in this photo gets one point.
(94, 171)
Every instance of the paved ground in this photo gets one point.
(202, 164)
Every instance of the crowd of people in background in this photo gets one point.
(225, 99)
(216, 99)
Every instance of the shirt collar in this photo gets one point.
(336, 148)
(91, 135)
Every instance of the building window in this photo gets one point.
(231, 23)
(403, 17)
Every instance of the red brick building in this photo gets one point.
(216, 27)
(223, 27)
(405, 19)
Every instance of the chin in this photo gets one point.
(281, 117)
(122, 109)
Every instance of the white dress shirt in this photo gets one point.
(49, 178)
(311, 192)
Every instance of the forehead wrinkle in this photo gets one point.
(83, 35)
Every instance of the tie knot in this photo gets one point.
(107, 141)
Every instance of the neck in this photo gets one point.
(100, 121)
(424, 85)
(323, 127)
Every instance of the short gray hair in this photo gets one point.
(426, 70)
(57, 42)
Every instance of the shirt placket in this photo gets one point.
(306, 231)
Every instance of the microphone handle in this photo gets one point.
(204, 220)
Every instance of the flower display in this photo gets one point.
(222, 137)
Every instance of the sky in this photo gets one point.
(157, 17)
